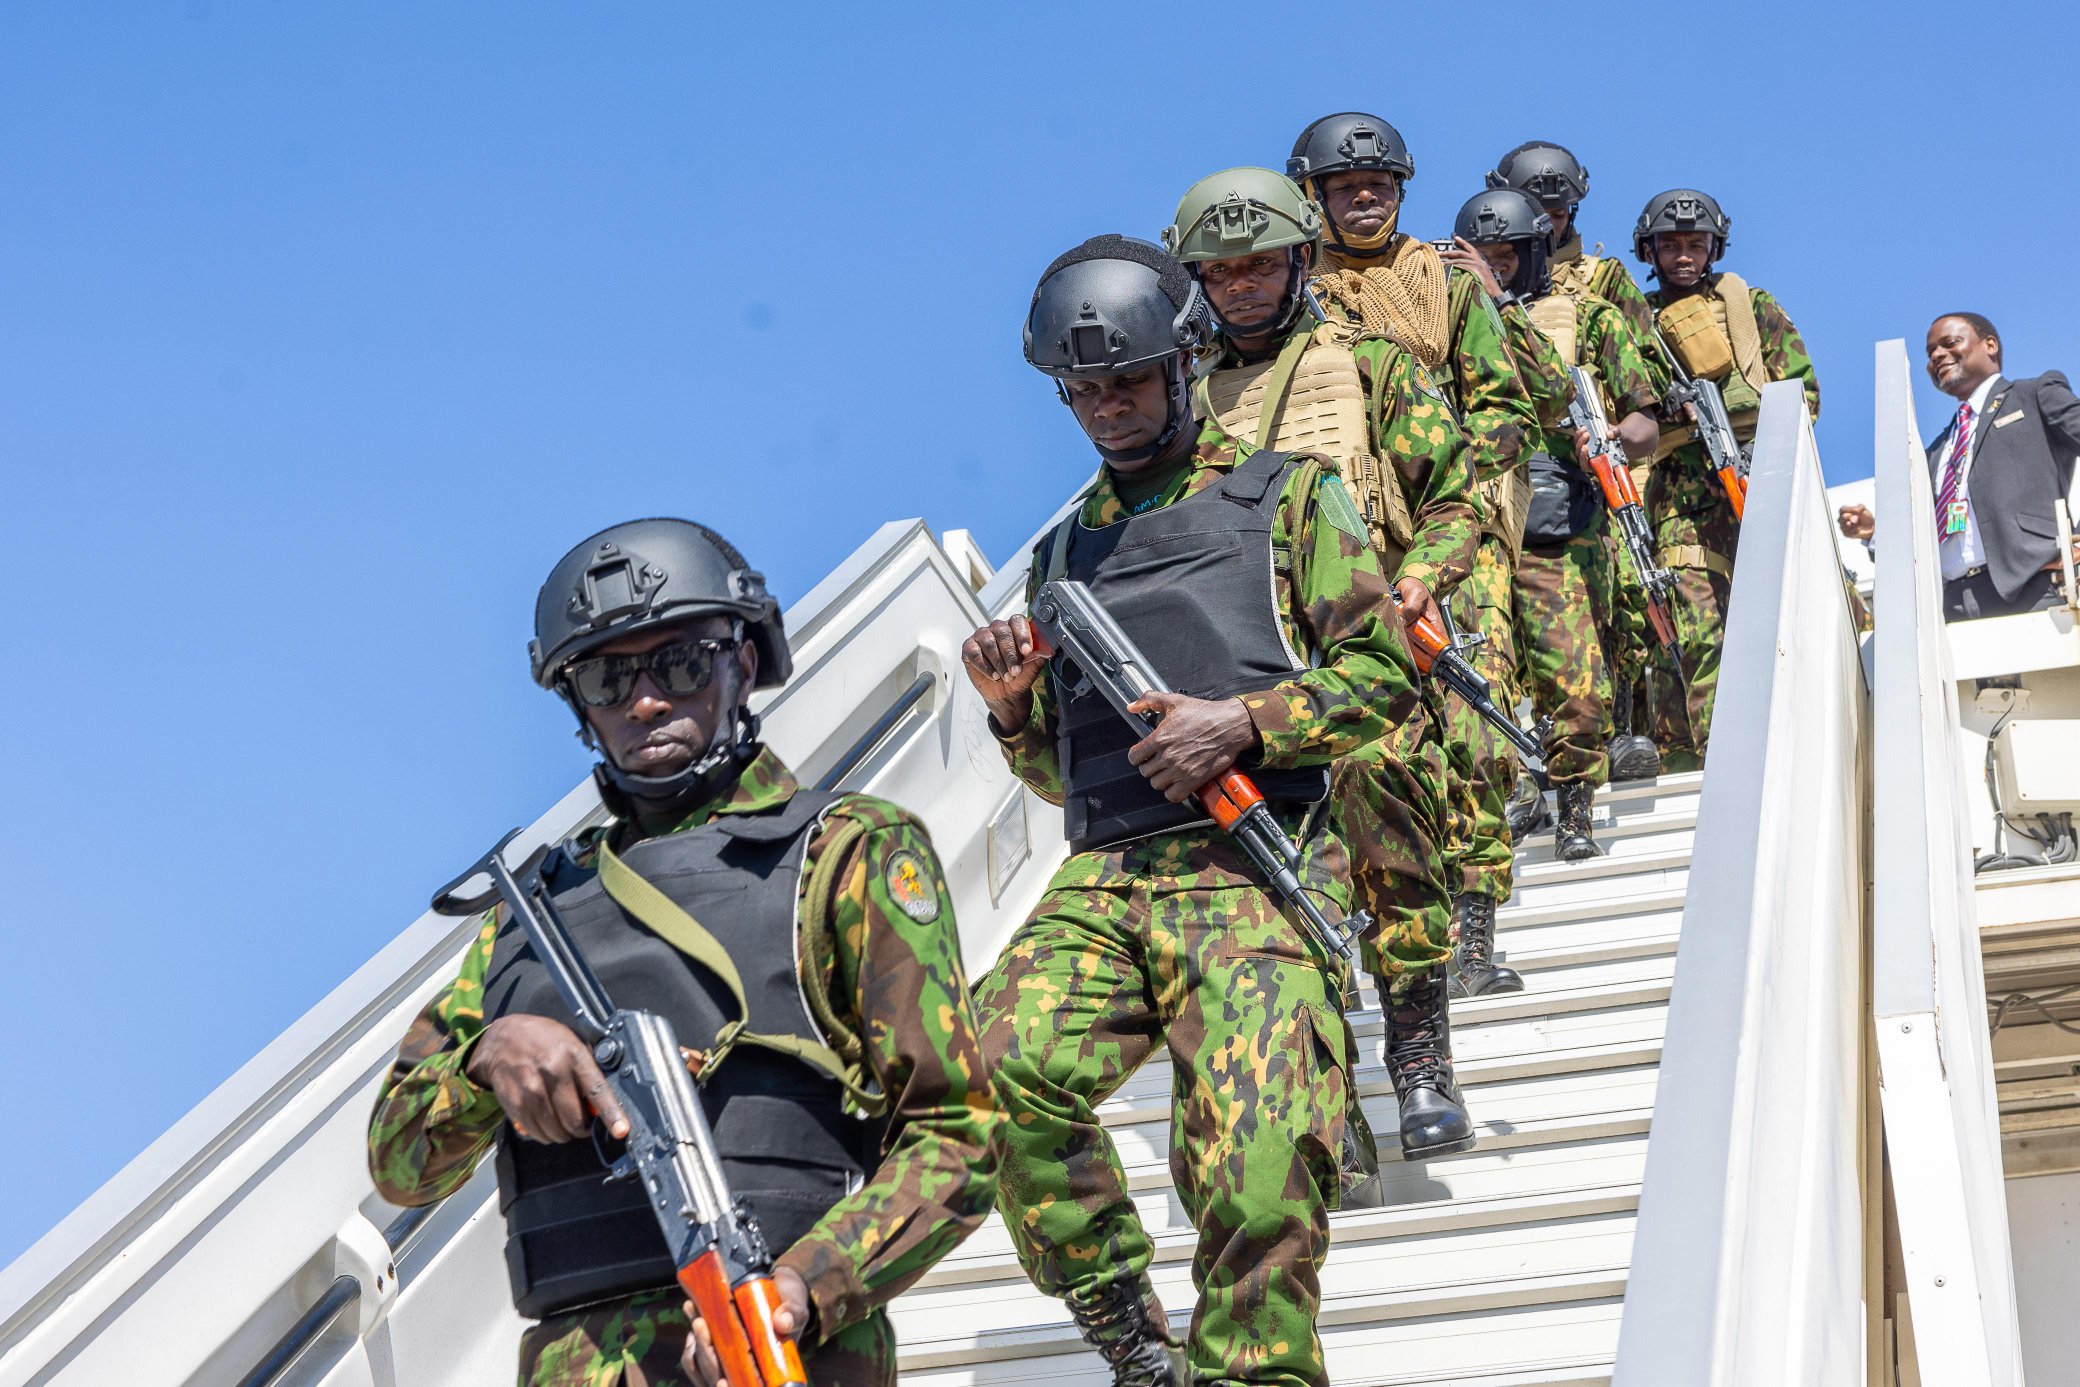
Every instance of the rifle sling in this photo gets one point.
(663, 917)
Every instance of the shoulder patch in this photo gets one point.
(910, 886)
(1337, 507)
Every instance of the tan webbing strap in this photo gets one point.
(664, 918)
(1697, 556)
(1277, 384)
(1742, 329)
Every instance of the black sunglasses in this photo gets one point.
(681, 668)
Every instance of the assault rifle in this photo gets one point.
(1614, 477)
(1069, 620)
(1437, 655)
(1714, 428)
(723, 1262)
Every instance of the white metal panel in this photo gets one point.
(1942, 1124)
(1747, 1267)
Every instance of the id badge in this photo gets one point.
(1954, 516)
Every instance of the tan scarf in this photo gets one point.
(1401, 295)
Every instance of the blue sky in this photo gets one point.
(327, 328)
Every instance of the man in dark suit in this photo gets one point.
(1998, 470)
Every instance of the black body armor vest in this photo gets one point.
(788, 1147)
(1193, 585)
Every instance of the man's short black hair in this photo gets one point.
(1981, 324)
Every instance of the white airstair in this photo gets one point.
(1682, 1176)
(1502, 1265)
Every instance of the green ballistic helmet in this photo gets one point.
(1240, 212)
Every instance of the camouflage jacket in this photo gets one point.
(1784, 355)
(902, 983)
(1415, 430)
(1609, 280)
(1483, 385)
(1333, 602)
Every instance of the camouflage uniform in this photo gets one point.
(901, 981)
(1481, 382)
(1568, 595)
(1393, 796)
(1171, 941)
(1695, 526)
(1604, 277)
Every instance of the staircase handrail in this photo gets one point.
(1935, 1056)
(1749, 1260)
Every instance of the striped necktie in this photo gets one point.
(1953, 470)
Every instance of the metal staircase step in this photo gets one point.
(1566, 1344)
(1473, 1187)
(1621, 833)
(1567, 1250)
(1535, 947)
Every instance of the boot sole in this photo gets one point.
(1448, 1148)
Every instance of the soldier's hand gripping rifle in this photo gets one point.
(1437, 655)
(1069, 620)
(1607, 463)
(723, 1263)
(1714, 428)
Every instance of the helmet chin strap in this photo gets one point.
(1365, 247)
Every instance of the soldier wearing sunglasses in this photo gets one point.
(851, 1105)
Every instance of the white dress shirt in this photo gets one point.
(1963, 552)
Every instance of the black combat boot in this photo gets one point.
(1633, 757)
(1475, 973)
(1419, 1060)
(1527, 808)
(1118, 1322)
(1575, 840)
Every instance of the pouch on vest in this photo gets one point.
(1694, 334)
(1563, 501)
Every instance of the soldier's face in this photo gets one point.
(1502, 259)
(1959, 359)
(657, 733)
(1360, 201)
(1563, 220)
(1248, 290)
(1682, 257)
(1124, 412)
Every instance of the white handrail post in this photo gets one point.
(1935, 1057)
(1748, 1262)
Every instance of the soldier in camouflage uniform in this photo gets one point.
(1355, 165)
(1717, 328)
(1156, 933)
(1281, 377)
(1566, 584)
(1551, 176)
(655, 633)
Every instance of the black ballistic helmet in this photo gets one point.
(1112, 305)
(1506, 215)
(1545, 171)
(1680, 209)
(645, 573)
(1348, 140)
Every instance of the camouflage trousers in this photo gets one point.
(636, 1342)
(1627, 639)
(1478, 853)
(1565, 596)
(1105, 972)
(1393, 810)
(1695, 526)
